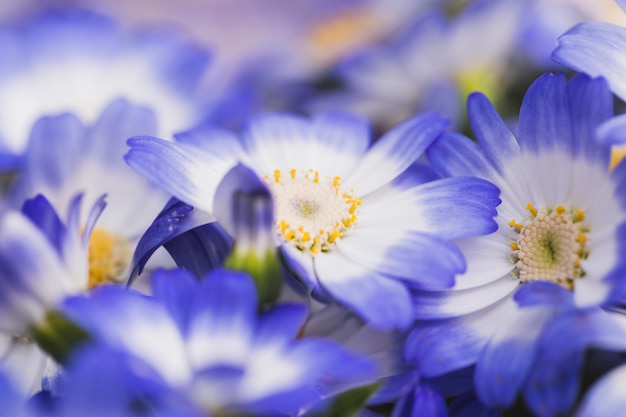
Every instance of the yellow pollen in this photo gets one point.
(312, 211)
(549, 246)
(515, 225)
(532, 209)
(109, 255)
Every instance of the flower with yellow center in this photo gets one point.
(557, 256)
(353, 221)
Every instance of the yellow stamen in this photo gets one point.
(277, 176)
(109, 255)
(515, 225)
(532, 209)
(559, 209)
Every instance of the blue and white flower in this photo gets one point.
(78, 61)
(204, 341)
(353, 220)
(557, 249)
(64, 158)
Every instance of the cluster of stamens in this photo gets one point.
(109, 255)
(550, 245)
(311, 212)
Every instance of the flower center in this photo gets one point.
(311, 212)
(109, 255)
(549, 245)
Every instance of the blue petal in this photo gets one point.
(42, 214)
(423, 260)
(219, 142)
(553, 384)
(453, 154)
(596, 49)
(395, 152)
(591, 104)
(119, 121)
(382, 302)
(243, 204)
(458, 207)
(201, 249)
(505, 363)
(492, 134)
(176, 170)
(544, 121)
(613, 131)
(422, 401)
(56, 147)
(175, 219)
(281, 325)
(543, 293)
(174, 289)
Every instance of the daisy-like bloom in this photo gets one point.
(42, 261)
(203, 347)
(80, 61)
(352, 220)
(64, 157)
(557, 248)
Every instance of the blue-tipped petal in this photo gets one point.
(223, 316)
(543, 293)
(181, 173)
(119, 121)
(219, 142)
(492, 134)
(237, 198)
(437, 347)
(200, 250)
(552, 386)
(457, 207)
(382, 302)
(175, 219)
(55, 148)
(613, 131)
(420, 259)
(174, 289)
(344, 139)
(596, 49)
(281, 325)
(453, 154)
(422, 401)
(41, 213)
(506, 361)
(591, 104)
(544, 121)
(395, 152)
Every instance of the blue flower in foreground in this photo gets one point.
(79, 61)
(557, 248)
(607, 396)
(203, 343)
(351, 218)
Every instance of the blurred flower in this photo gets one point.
(79, 61)
(65, 157)
(203, 347)
(557, 247)
(347, 215)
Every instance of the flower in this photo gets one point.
(202, 345)
(79, 61)
(64, 158)
(557, 249)
(353, 221)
